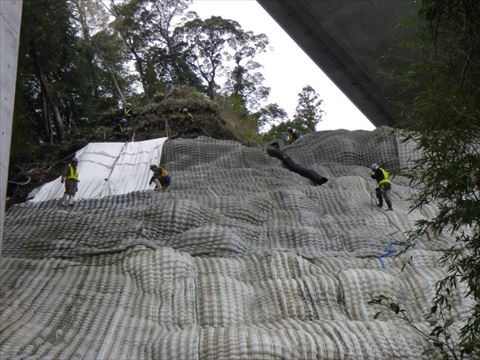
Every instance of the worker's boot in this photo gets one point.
(158, 185)
(64, 200)
(389, 204)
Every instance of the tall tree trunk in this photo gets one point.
(117, 86)
(141, 71)
(211, 90)
(110, 70)
(59, 123)
(93, 75)
(48, 93)
(57, 117)
(81, 9)
(46, 120)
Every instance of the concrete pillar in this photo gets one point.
(10, 18)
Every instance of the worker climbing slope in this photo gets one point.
(70, 178)
(161, 178)
(126, 123)
(121, 130)
(292, 136)
(384, 186)
(187, 114)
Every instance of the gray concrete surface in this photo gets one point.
(351, 41)
(10, 18)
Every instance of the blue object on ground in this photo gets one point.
(387, 251)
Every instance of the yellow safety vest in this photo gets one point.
(385, 179)
(291, 138)
(73, 175)
(163, 172)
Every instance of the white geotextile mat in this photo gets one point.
(109, 168)
(240, 259)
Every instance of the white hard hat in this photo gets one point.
(75, 159)
(374, 166)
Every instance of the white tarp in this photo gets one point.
(109, 168)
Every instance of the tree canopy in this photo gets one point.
(307, 115)
(442, 109)
(81, 58)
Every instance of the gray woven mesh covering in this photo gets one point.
(239, 259)
(408, 151)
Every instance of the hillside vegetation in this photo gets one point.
(181, 112)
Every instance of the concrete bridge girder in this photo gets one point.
(348, 40)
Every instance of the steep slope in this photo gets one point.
(240, 259)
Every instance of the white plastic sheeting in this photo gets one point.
(109, 168)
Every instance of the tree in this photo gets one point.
(308, 112)
(278, 131)
(43, 63)
(170, 62)
(245, 82)
(101, 76)
(206, 42)
(130, 22)
(308, 115)
(270, 115)
(147, 29)
(442, 111)
(61, 73)
(218, 50)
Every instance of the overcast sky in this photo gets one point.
(287, 69)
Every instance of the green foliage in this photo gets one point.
(279, 131)
(308, 113)
(271, 114)
(206, 42)
(146, 28)
(440, 338)
(210, 45)
(79, 59)
(442, 108)
(245, 82)
(244, 127)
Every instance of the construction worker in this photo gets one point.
(121, 130)
(70, 178)
(291, 136)
(127, 112)
(384, 186)
(187, 114)
(161, 178)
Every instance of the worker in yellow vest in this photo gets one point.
(292, 136)
(187, 114)
(70, 178)
(127, 112)
(384, 186)
(161, 178)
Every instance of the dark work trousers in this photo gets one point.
(383, 192)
